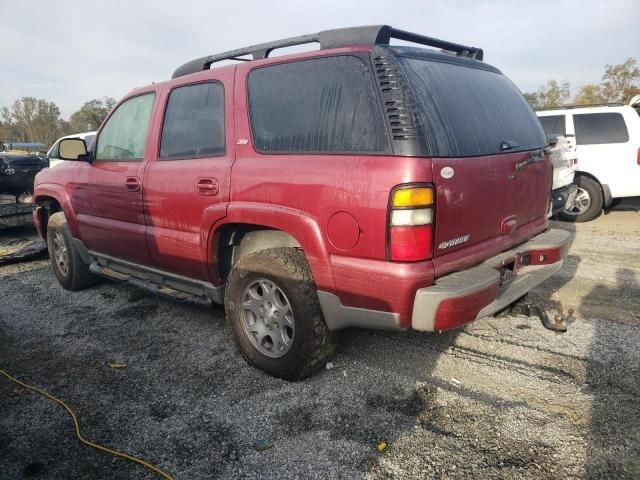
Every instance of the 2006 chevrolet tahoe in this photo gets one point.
(359, 185)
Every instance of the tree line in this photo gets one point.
(620, 83)
(32, 119)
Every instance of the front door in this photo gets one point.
(107, 193)
(187, 183)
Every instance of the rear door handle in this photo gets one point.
(133, 184)
(207, 186)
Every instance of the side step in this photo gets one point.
(159, 290)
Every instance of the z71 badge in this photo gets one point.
(455, 241)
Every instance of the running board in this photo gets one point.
(157, 282)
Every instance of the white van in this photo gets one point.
(608, 148)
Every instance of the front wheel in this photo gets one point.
(274, 313)
(68, 267)
(587, 204)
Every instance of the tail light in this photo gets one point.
(639, 156)
(411, 223)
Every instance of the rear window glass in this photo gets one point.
(319, 105)
(553, 124)
(194, 122)
(465, 111)
(593, 128)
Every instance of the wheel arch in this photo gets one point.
(250, 228)
(48, 202)
(607, 198)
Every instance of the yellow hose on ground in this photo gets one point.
(126, 456)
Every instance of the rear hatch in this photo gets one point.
(489, 168)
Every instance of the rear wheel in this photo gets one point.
(274, 313)
(66, 263)
(588, 202)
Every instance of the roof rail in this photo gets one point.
(586, 105)
(342, 37)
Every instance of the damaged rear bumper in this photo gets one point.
(462, 297)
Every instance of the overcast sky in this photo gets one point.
(70, 51)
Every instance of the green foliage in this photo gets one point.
(590, 94)
(551, 95)
(91, 114)
(31, 120)
(37, 120)
(532, 98)
(620, 83)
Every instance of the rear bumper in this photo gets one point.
(462, 297)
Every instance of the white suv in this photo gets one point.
(608, 148)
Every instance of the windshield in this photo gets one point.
(465, 111)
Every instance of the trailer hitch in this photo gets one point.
(559, 323)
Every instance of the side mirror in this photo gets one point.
(72, 149)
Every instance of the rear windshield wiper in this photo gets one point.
(508, 145)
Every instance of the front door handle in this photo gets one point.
(207, 186)
(133, 184)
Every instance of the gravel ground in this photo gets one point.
(502, 398)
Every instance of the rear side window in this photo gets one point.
(319, 105)
(194, 122)
(465, 111)
(593, 128)
(125, 135)
(553, 124)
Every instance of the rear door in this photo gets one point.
(187, 182)
(490, 173)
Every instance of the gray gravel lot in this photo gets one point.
(502, 398)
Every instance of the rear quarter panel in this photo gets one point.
(349, 192)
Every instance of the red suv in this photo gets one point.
(359, 185)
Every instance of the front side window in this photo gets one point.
(323, 105)
(125, 134)
(553, 124)
(594, 128)
(194, 122)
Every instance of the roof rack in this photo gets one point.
(342, 37)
